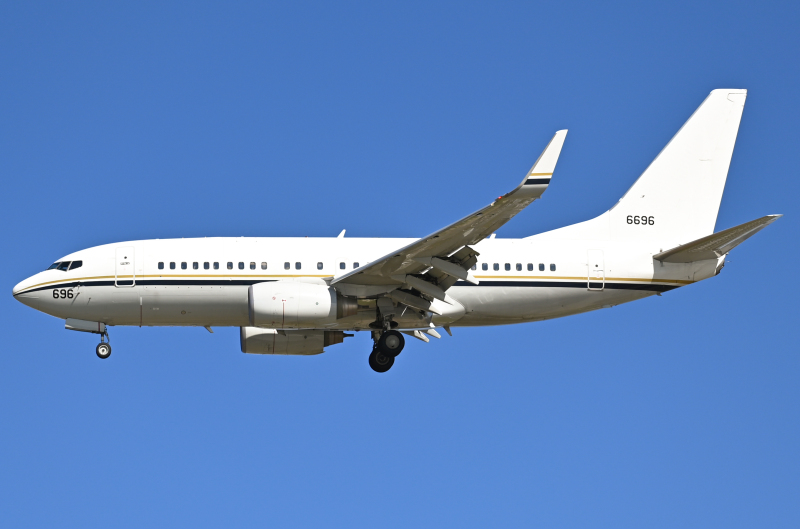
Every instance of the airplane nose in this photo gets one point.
(19, 287)
(26, 298)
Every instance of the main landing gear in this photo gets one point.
(104, 347)
(388, 344)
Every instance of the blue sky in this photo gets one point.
(158, 120)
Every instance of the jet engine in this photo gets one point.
(296, 305)
(271, 341)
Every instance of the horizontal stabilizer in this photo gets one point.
(715, 245)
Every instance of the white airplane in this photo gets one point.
(297, 296)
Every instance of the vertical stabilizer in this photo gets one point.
(677, 198)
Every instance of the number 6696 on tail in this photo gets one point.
(636, 219)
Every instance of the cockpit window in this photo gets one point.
(76, 264)
(53, 266)
(64, 266)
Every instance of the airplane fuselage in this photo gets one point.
(204, 282)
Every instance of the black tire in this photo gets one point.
(379, 362)
(103, 350)
(391, 343)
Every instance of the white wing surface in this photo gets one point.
(434, 263)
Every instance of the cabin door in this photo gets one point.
(125, 274)
(596, 270)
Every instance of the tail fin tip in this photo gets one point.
(681, 190)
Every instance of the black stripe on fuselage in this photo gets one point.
(570, 284)
(247, 282)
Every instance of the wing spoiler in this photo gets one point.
(717, 244)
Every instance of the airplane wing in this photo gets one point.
(716, 244)
(434, 263)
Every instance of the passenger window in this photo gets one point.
(206, 265)
(485, 266)
(297, 266)
(230, 265)
(216, 265)
(287, 265)
(195, 265)
(475, 267)
(519, 267)
(355, 265)
(252, 266)
(342, 266)
(241, 265)
(161, 265)
(552, 267)
(496, 266)
(530, 267)
(64, 266)
(183, 265)
(508, 267)
(264, 265)
(172, 265)
(541, 267)
(319, 266)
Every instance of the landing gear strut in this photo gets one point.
(104, 347)
(388, 344)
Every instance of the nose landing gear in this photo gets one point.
(104, 347)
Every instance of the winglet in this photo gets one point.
(538, 178)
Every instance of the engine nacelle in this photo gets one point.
(270, 341)
(295, 305)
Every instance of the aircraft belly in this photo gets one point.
(194, 305)
(153, 305)
(488, 305)
(227, 305)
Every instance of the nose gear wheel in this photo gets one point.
(103, 350)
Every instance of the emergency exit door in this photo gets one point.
(596, 270)
(125, 275)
